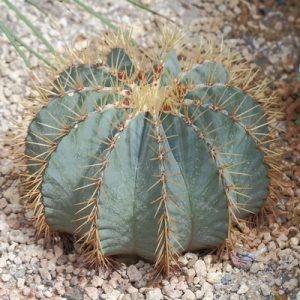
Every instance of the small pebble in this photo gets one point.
(243, 289)
(133, 273)
(92, 292)
(5, 277)
(154, 294)
(214, 277)
(200, 268)
(188, 295)
(266, 291)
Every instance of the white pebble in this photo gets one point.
(214, 277)
(154, 294)
(133, 273)
(188, 295)
(190, 274)
(294, 241)
(5, 277)
(92, 292)
(2, 262)
(200, 268)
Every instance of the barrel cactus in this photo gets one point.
(147, 155)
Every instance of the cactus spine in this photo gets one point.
(148, 156)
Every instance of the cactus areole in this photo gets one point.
(148, 157)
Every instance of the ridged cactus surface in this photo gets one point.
(147, 159)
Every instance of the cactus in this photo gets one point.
(148, 155)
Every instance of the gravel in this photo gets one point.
(265, 35)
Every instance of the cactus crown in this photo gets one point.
(145, 154)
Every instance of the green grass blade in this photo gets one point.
(142, 6)
(96, 14)
(37, 7)
(36, 54)
(34, 30)
(15, 44)
(106, 21)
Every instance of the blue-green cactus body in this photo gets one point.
(128, 181)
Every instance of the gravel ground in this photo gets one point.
(266, 33)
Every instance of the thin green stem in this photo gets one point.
(35, 31)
